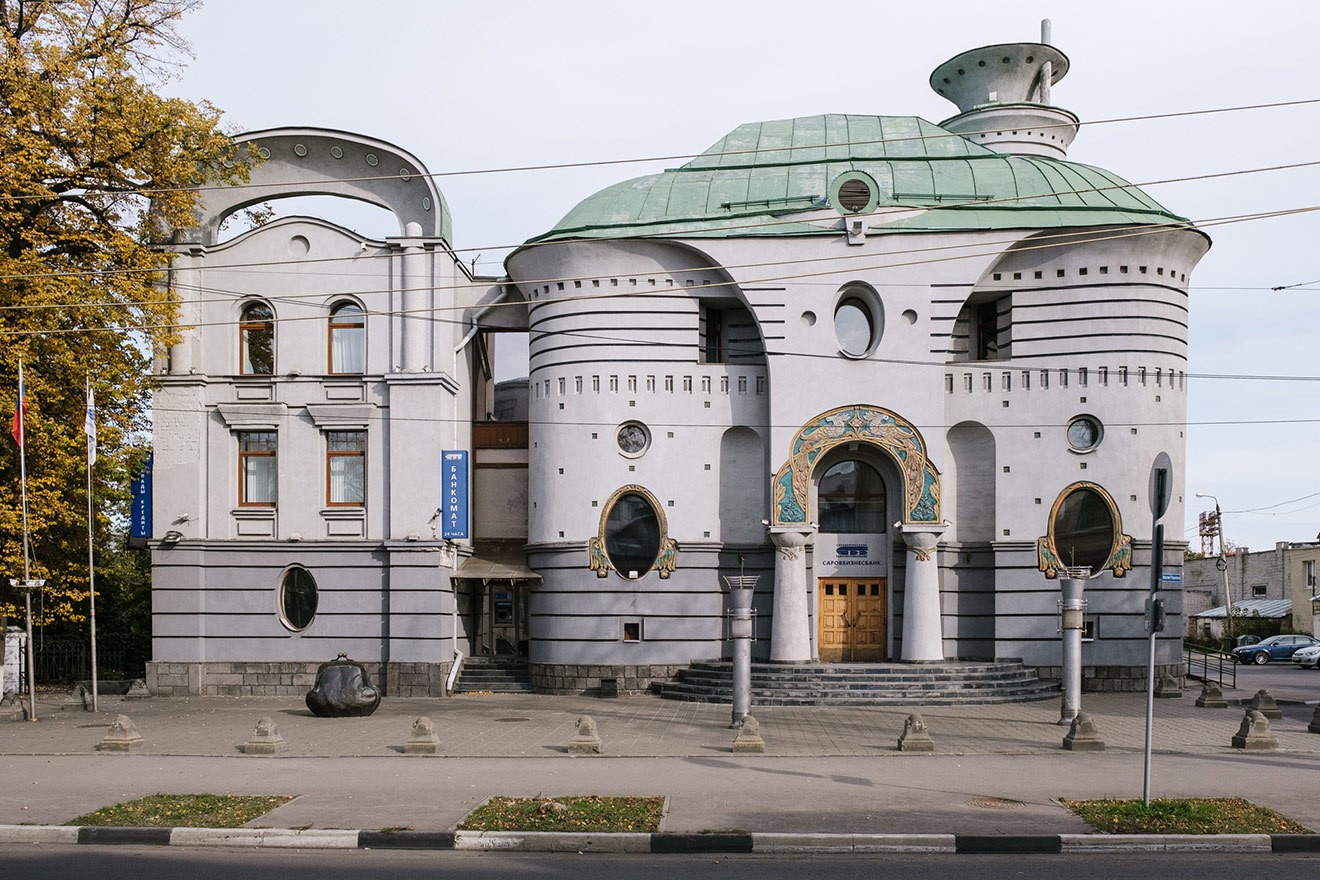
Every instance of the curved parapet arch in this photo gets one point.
(323, 162)
(858, 423)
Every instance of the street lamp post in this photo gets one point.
(1223, 564)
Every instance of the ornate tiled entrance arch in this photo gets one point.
(858, 424)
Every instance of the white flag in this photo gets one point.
(89, 425)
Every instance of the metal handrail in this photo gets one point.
(1209, 665)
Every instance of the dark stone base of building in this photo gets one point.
(573, 679)
(1112, 679)
(280, 679)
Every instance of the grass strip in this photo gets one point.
(1183, 816)
(578, 813)
(184, 811)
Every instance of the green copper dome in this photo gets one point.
(755, 179)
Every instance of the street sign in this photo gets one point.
(1171, 577)
(1161, 484)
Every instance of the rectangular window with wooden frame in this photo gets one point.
(256, 468)
(346, 468)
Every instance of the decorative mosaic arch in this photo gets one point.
(876, 427)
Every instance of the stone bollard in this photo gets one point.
(1083, 736)
(423, 740)
(1314, 726)
(138, 690)
(1167, 687)
(587, 740)
(122, 736)
(78, 698)
(748, 741)
(1254, 735)
(1211, 697)
(1264, 703)
(266, 739)
(915, 736)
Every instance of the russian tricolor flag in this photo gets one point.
(20, 410)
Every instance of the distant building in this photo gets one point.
(905, 373)
(1287, 573)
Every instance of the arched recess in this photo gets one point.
(742, 487)
(323, 162)
(858, 424)
(972, 454)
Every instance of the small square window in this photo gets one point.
(632, 630)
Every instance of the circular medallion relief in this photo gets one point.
(1084, 433)
(633, 438)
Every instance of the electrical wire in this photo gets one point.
(599, 163)
(759, 225)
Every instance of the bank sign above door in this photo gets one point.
(842, 555)
(454, 510)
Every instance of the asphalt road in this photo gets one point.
(133, 863)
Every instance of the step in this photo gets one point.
(857, 684)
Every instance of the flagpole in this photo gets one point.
(90, 427)
(20, 416)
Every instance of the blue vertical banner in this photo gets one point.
(455, 463)
(140, 516)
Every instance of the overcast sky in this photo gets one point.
(474, 86)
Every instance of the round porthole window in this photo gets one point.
(298, 598)
(633, 439)
(632, 535)
(858, 320)
(1084, 433)
(854, 192)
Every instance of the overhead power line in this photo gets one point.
(598, 163)
(698, 230)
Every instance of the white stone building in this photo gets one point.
(902, 371)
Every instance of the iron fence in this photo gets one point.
(65, 661)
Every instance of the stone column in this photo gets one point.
(923, 630)
(415, 320)
(185, 277)
(790, 637)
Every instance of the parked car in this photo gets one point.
(1308, 658)
(1273, 648)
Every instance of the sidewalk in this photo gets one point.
(997, 770)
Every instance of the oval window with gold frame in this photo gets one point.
(1085, 530)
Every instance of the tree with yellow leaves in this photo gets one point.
(94, 160)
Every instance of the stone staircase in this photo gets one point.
(495, 675)
(950, 683)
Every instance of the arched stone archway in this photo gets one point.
(314, 162)
(858, 423)
(921, 528)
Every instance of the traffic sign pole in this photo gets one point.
(1160, 490)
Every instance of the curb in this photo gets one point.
(663, 842)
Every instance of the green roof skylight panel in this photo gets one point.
(903, 138)
(727, 188)
(809, 139)
(687, 195)
(914, 182)
(837, 133)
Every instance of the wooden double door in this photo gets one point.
(853, 618)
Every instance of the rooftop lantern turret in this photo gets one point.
(1003, 93)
